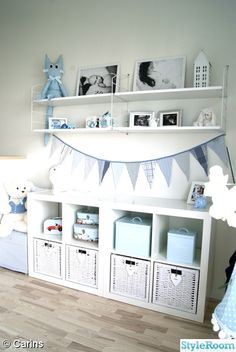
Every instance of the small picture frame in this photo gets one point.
(57, 123)
(170, 118)
(196, 190)
(141, 119)
(98, 79)
(160, 73)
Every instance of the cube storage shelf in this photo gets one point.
(102, 269)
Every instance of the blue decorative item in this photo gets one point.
(223, 318)
(200, 202)
(54, 87)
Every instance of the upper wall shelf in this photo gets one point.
(165, 94)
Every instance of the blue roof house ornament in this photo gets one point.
(54, 87)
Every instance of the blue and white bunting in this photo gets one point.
(200, 153)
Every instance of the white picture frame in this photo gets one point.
(170, 118)
(56, 122)
(99, 79)
(159, 73)
(197, 189)
(141, 118)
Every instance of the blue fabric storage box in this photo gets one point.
(133, 236)
(181, 246)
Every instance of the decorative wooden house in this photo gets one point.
(202, 71)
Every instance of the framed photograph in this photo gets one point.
(98, 80)
(170, 118)
(141, 119)
(162, 73)
(197, 189)
(56, 122)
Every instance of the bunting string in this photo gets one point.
(199, 152)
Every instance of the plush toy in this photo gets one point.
(206, 118)
(13, 206)
(59, 176)
(54, 87)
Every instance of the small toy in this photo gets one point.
(200, 202)
(54, 87)
(13, 208)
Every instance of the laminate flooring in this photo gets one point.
(68, 320)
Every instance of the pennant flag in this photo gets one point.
(76, 158)
(117, 169)
(218, 146)
(165, 165)
(183, 161)
(103, 166)
(88, 165)
(133, 170)
(55, 144)
(149, 169)
(200, 154)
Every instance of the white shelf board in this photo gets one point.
(163, 94)
(157, 130)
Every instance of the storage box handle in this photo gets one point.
(136, 219)
(183, 229)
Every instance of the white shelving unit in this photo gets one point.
(103, 268)
(216, 92)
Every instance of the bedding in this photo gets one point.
(13, 252)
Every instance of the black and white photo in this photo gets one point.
(141, 119)
(169, 118)
(163, 73)
(98, 80)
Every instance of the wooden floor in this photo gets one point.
(67, 320)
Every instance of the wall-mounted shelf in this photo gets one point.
(176, 130)
(164, 94)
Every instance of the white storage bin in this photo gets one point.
(175, 287)
(81, 265)
(130, 277)
(47, 258)
(181, 246)
(133, 236)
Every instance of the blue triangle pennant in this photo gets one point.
(200, 154)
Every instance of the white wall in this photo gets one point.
(97, 32)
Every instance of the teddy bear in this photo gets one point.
(13, 206)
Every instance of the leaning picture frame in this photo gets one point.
(141, 119)
(196, 190)
(160, 73)
(56, 122)
(170, 118)
(100, 79)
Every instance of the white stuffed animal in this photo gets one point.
(206, 118)
(13, 207)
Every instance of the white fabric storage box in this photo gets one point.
(130, 277)
(181, 246)
(14, 252)
(133, 236)
(47, 258)
(81, 265)
(175, 287)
